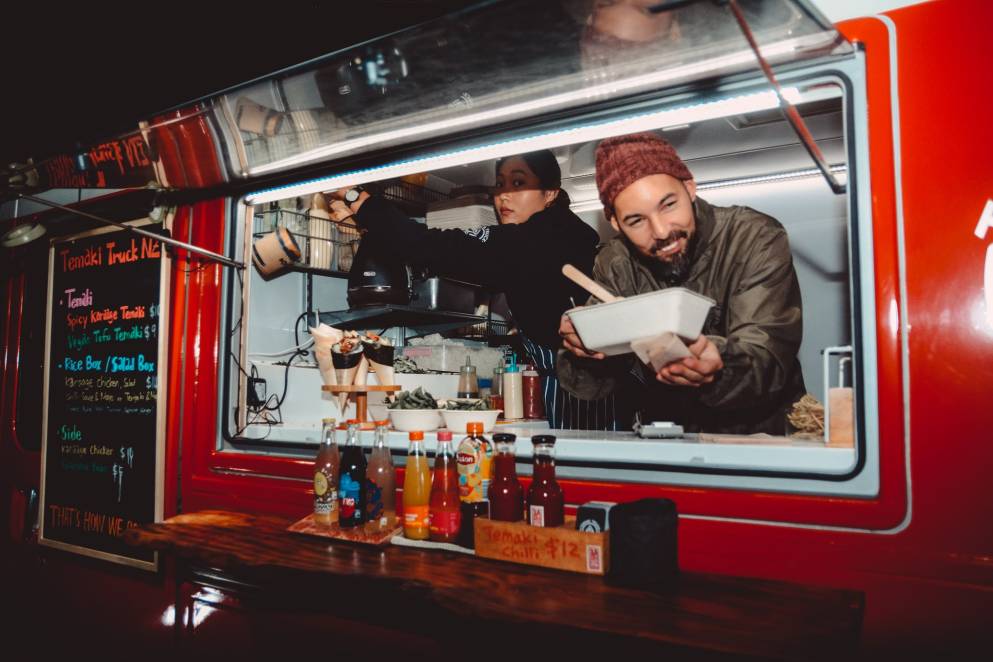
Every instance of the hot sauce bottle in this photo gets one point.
(416, 489)
(445, 515)
(326, 476)
(546, 504)
(351, 485)
(506, 494)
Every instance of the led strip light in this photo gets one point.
(746, 103)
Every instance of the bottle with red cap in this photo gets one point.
(474, 456)
(416, 489)
(506, 494)
(445, 515)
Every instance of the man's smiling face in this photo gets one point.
(655, 214)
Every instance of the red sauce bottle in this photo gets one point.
(546, 503)
(445, 506)
(506, 493)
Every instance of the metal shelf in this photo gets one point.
(382, 317)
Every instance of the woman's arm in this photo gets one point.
(486, 256)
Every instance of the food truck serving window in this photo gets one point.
(732, 136)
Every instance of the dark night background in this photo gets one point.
(81, 72)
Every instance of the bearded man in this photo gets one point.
(743, 375)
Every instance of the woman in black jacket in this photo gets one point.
(522, 257)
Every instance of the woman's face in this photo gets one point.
(517, 194)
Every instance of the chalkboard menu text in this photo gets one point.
(102, 447)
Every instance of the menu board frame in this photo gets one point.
(161, 371)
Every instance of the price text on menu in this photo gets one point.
(103, 363)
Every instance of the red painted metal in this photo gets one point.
(925, 563)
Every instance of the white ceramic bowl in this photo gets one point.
(610, 327)
(407, 420)
(457, 419)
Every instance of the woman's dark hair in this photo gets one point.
(546, 168)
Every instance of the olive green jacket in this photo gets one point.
(740, 258)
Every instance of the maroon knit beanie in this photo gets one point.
(623, 160)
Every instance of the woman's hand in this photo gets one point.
(695, 370)
(571, 341)
(339, 211)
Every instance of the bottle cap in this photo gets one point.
(444, 435)
(543, 440)
(352, 421)
(383, 422)
(513, 364)
(504, 437)
(416, 435)
(329, 421)
(475, 428)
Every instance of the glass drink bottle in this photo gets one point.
(351, 485)
(416, 490)
(445, 513)
(381, 482)
(326, 476)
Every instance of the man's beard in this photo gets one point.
(676, 269)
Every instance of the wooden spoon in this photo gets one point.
(588, 284)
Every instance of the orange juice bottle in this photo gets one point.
(416, 490)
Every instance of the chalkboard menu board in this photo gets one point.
(102, 433)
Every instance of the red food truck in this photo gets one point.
(150, 374)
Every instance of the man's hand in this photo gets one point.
(695, 370)
(571, 341)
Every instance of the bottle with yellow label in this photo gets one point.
(474, 459)
(326, 466)
(416, 490)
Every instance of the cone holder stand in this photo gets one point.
(361, 392)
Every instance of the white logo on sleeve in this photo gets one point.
(482, 234)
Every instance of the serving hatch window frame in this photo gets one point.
(577, 459)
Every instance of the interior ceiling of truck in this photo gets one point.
(738, 146)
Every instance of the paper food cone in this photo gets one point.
(358, 379)
(346, 367)
(326, 367)
(381, 359)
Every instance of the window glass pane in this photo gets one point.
(501, 62)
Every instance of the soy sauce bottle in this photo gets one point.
(351, 488)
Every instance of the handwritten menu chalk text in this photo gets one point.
(102, 445)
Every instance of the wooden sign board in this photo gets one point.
(560, 547)
(102, 454)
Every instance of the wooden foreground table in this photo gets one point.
(459, 600)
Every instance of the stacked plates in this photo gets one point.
(464, 213)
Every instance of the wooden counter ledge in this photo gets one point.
(700, 616)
